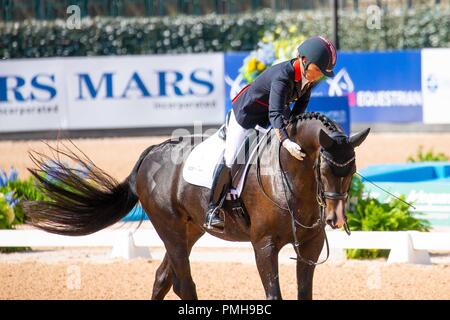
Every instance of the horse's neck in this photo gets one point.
(308, 136)
(302, 174)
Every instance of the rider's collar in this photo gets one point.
(297, 71)
(299, 77)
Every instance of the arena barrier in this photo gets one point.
(404, 246)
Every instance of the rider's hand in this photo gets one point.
(294, 149)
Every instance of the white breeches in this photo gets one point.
(235, 136)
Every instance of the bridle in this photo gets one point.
(321, 196)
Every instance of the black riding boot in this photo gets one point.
(219, 189)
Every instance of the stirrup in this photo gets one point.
(213, 212)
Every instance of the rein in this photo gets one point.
(321, 195)
(320, 221)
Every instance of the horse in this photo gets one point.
(296, 200)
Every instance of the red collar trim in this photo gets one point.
(297, 71)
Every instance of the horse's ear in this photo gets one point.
(359, 137)
(325, 140)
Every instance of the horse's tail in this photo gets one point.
(78, 200)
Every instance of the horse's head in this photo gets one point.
(334, 168)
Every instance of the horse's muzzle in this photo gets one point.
(336, 217)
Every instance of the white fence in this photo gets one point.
(405, 246)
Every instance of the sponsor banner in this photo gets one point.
(431, 199)
(145, 91)
(426, 185)
(111, 92)
(32, 95)
(436, 85)
(380, 86)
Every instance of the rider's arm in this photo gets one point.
(278, 91)
(301, 104)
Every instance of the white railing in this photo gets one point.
(405, 246)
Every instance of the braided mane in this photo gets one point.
(331, 125)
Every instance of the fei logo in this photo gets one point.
(341, 85)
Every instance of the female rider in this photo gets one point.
(266, 101)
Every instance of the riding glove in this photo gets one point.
(294, 149)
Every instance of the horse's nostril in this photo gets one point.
(331, 220)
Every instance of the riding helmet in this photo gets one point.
(319, 51)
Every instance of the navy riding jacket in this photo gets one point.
(268, 98)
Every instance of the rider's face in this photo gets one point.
(313, 72)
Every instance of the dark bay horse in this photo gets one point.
(88, 199)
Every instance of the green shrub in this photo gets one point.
(429, 155)
(368, 214)
(12, 192)
(8, 201)
(7, 221)
(400, 29)
(7, 216)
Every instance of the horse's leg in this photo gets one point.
(183, 285)
(163, 279)
(164, 274)
(266, 254)
(305, 273)
(174, 232)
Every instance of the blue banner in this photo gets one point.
(380, 86)
(233, 81)
(335, 108)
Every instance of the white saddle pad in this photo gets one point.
(201, 162)
(199, 167)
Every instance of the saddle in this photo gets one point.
(199, 167)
